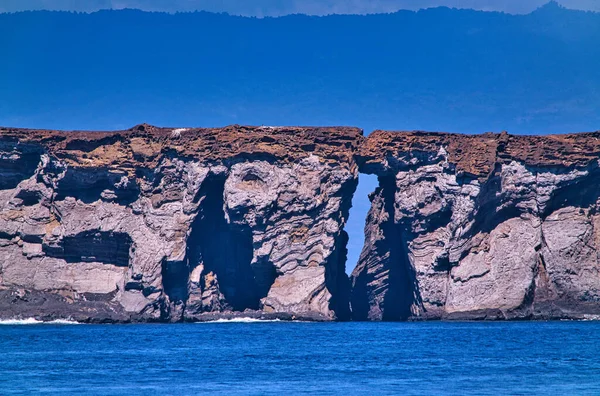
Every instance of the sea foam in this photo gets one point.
(242, 320)
(32, 321)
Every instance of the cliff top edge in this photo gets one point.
(145, 144)
(477, 155)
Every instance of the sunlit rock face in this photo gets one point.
(486, 226)
(162, 224)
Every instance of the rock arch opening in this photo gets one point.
(356, 219)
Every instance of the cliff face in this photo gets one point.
(484, 226)
(175, 224)
(162, 224)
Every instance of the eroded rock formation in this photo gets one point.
(480, 227)
(162, 224)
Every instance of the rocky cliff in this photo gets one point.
(489, 226)
(162, 224)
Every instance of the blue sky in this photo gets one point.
(283, 7)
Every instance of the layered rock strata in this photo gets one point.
(163, 224)
(488, 226)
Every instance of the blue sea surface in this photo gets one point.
(430, 358)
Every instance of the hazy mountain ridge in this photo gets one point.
(492, 71)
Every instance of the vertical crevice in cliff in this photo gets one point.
(369, 277)
(403, 288)
(225, 251)
(336, 279)
(175, 277)
(356, 221)
(384, 285)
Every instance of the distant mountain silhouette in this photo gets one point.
(437, 69)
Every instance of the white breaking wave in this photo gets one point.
(591, 317)
(242, 320)
(32, 321)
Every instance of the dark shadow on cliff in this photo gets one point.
(487, 217)
(175, 278)
(14, 170)
(583, 193)
(336, 279)
(403, 290)
(90, 185)
(93, 246)
(226, 252)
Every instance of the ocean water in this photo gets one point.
(432, 358)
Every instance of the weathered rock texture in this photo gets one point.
(175, 224)
(162, 224)
(480, 227)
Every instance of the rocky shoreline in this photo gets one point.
(188, 225)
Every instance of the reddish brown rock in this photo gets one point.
(476, 155)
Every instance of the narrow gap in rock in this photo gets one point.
(384, 285)
(356, 220)
(336, 279)
(402, 286)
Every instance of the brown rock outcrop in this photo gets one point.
(480, 226)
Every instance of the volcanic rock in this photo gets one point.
(488, 226)
(165, 224)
